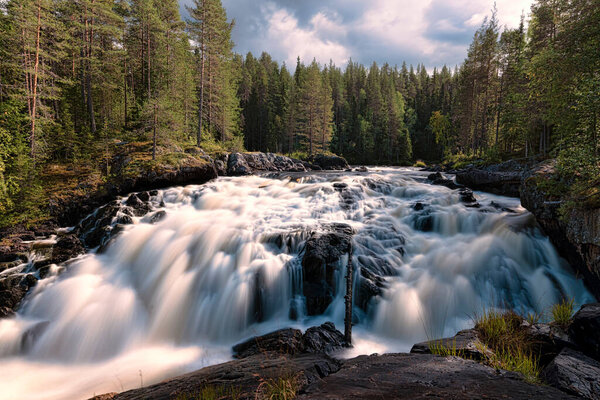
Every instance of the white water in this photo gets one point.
(172, 297)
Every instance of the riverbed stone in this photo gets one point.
(585, 329)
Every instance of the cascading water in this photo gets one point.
(171, 297)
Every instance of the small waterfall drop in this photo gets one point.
(225, 264)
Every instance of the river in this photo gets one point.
(171, 297)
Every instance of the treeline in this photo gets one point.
(78, 76)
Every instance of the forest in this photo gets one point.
(78, 78)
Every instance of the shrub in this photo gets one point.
(419, 164)
(562, 312)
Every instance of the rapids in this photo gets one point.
(171, 297)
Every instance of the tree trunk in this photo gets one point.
(348, 301)
(154, 135)
(201, 95)
(35, 78)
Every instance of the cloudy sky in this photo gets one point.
(433, 32)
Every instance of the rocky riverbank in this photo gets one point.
(575, 235)
(310, 367)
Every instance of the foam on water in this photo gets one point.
(171, 297)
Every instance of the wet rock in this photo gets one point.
(140, 207)
(329, 162)
(371, 285)
(320, 262)
(438, 179)
(505, 183)
(585, 329)
(158, 216)
(318, 339)
(13, 290)
(95, 229)
(284, 341)
(361, 169)
(237, 165)
(418, 206)
(574, 373)
(323, 339)
(66, 247)
(465, 344)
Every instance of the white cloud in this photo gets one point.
(289, 41)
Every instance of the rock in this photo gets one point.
(95, 229)
(418, 206)
(323, 339)
(105, 396)
(158, 216)
(237, 165)
(423, 376)
(505, 183)
(329, 162)
(13, 290)
(547, 340)
(249, 163)
(585, 329)
(361, 169)
(438, 179)
(576, 236)
(574, 373)
(246, 377)
(465, 343)
(284, 341)
(467, 196)
(66, 248)
(140, 207)
(318, 339)
(322, 254)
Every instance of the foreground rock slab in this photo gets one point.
(390, 376)
(420, 376)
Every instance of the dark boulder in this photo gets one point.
(66, 247)
(283, 341)
(158, 216)
(321, 260)
(248, 163)
(574, 373)
(318, 339)
(438, 179)
(138, 205)
(323, 339)
(329, 162)
(585, 329)
(13, 290)
(505, 183)
(95, 229)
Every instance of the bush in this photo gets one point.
(419, 164)
(562, 312)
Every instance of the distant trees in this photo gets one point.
(77, 75)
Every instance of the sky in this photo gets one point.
(431, 32)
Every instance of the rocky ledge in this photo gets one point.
(305, 363)
(576, 235)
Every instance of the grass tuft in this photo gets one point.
(440, 349)
(211, 392)
(563, 312)
(282, 388)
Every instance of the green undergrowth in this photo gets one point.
(282, 388)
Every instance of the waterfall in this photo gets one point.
(225, 264)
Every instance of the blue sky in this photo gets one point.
(433, 32)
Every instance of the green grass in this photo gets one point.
(440, 349)
(419, 164)
(211, 392)
(282, 388)
(563, 312)
(503, 333)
